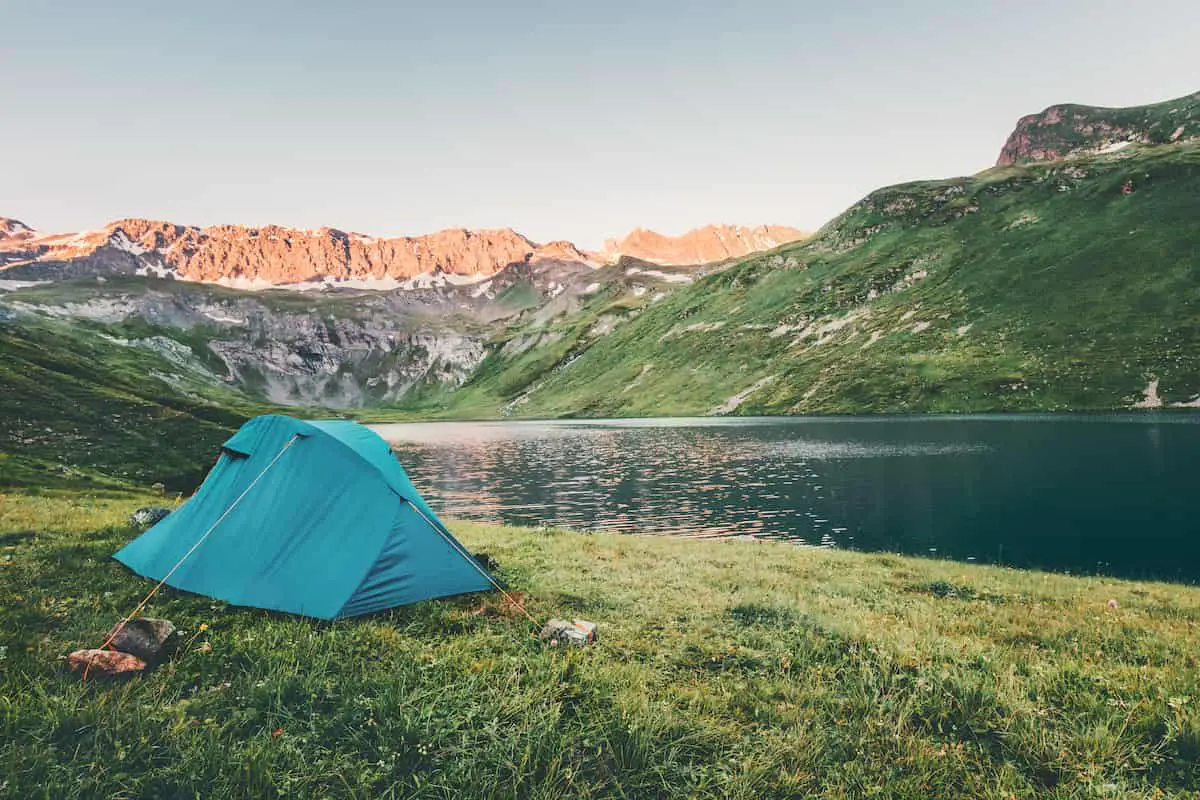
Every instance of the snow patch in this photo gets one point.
(12, 286)
(732, 404)
(1150, 398)
(156, 270)
(1114, 147)
(673, 277)
(245, 284)
(122, 242)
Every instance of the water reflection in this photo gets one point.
(1113, 496)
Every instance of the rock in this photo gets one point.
(151, 640)
(105, 663)
(577, 632)
(150, 515)
(699, 246)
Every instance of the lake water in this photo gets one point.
(1113, 494)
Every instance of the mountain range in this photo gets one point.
(1066, 277)
(273, 256)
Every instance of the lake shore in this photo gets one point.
(724, 669)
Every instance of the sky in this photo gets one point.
(561, 119)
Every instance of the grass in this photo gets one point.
(1028, 288)
(77, 408)
(724, 669)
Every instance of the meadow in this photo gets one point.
(723, 669)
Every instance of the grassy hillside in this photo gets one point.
(1034, 287)
(79, 409)
(724, 669)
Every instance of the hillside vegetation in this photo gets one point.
(1038, 287)
(724, 669)
(79, 409)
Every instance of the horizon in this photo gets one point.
(569, 124)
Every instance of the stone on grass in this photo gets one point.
(577, 632)
(151, 640)
(105, 663)
(150, 515)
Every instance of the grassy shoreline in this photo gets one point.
(725, 669)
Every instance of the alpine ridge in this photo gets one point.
(254, 258)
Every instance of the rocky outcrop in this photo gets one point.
(1065, 130)
(13, 230)
(701, 245)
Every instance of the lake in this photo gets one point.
(1113, 494)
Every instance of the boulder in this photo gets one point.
(150, 515)
(105, 663)
(150, 640)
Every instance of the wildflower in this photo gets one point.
(1112, 603)
(203, 626)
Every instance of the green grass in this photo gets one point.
(724, 669)
(1040, 287)
(78, 409)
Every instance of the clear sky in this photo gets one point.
(562, 119)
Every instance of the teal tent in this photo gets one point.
(313, 518)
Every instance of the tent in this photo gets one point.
(313, 518)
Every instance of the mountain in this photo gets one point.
(255, 258)
(1066, 280)
(1047, 285)
(1063, 131)
(700, 246)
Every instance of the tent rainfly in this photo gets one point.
(312, 518)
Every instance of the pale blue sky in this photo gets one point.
(561, 119)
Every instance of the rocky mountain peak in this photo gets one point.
(700, 245)
(15, 229)
(1065, 130)
(272, 255)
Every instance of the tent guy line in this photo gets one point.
(117, 630)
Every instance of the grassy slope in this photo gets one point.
(77, 409)
(1075, 296)
(725, 669)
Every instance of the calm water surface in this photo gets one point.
(1115, 494)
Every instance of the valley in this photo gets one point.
(1063, 279)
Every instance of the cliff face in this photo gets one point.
(268, 256)
(701, 245)
(1065, 130)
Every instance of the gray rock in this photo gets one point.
(150, 515)
(576, 633)
(151, 640)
